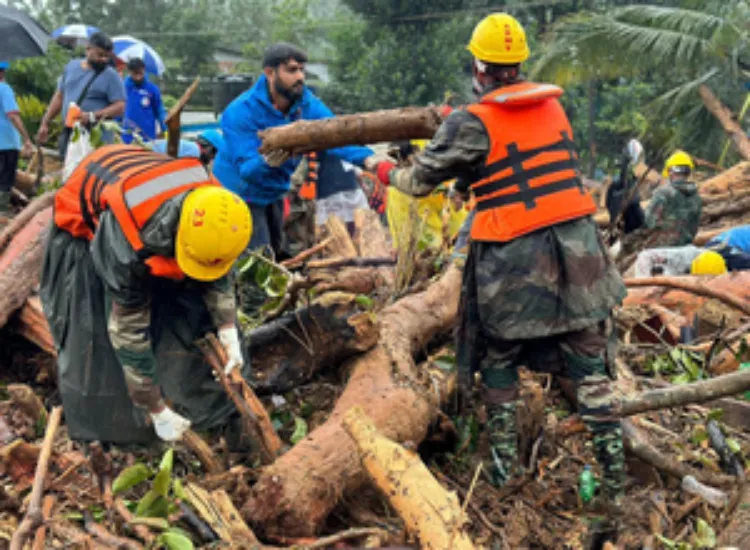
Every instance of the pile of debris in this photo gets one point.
(352, 357)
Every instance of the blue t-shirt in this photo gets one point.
(103, 92)
(143, 109)
(187, 148)
(9, 138)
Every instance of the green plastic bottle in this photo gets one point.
(586, 484)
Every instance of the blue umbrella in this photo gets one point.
(76, 33)
(127, 48)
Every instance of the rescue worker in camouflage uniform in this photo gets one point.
(674, 213)
(537, 280)
(135, 271)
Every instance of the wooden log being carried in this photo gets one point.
(364, 128)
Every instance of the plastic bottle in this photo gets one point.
(586, 484)
(715, 497)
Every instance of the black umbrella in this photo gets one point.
(20, 35)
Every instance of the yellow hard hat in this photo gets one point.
(215, 227)
(499, 38)
(420, 144)
(709, 262)
(678, 158)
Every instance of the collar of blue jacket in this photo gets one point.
(241, 168)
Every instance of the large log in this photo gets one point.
(727, 120)
(732, 180)
(20, 264)
(295, 495)
(362, 129)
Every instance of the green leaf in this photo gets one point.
(705, 536)
(164, 477)
(74, 516)
(300, 430)
(153, 505)
(178, 489)
(364, 301)
(715, 414)
(130, 477)
(682, 379)
(734, 446)
(175, 541)
(96, 136)
(262, 274)
(699, 436)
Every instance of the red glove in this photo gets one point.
(445, 110)
(383, 171)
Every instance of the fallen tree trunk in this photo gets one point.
(296, 493)
(20, 265)
(715, 212)
(735, 179)
(173, 119)
(428, 510)
(288, 351)
(727, 120)
(360, 129)
(33, 325)
(22, 219)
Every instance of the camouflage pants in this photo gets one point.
(581, 356)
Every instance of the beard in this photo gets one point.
(293, 93)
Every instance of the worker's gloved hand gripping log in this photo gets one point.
(230, 338)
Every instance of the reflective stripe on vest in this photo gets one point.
(531, 178)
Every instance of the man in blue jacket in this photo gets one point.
(143, 106)
(278, 97)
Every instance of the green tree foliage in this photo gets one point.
(37, 76)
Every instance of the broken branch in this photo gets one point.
(689, 285)
(34, 516)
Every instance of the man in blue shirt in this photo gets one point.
(278, 97)
(11, 130)
(143, 105)
(93, 85)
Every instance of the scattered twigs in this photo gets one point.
(141, 531)
(102, 467)
(329, 542)
(303, 256)
(41, 532)
(34, 516)
(639, 446)
(100, 533)
(205, 455)
(331, 263)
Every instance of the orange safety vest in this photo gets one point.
(132, 183)
(309, 189)
(531, 179)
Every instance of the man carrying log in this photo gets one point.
(278, 97)
(135, 271)
(537, 282)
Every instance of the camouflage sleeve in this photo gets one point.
(457, 150)
(655, 209)
(128, 300)
(220, 301)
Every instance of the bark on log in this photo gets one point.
(732, 289)
(676, 396)
(23, 218)
(430, 512)
(727, 120)
(20, 265)
(734, 180)
(33, 325)
(288, 351)
(717, 211)
(173, 119)
(295, 495)
(360, 129)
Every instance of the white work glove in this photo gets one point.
(276, 158)
(169, 425)
(230, 339)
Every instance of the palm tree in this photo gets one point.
(684, 47)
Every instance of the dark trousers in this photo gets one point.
(268, 227)
(8, 165)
